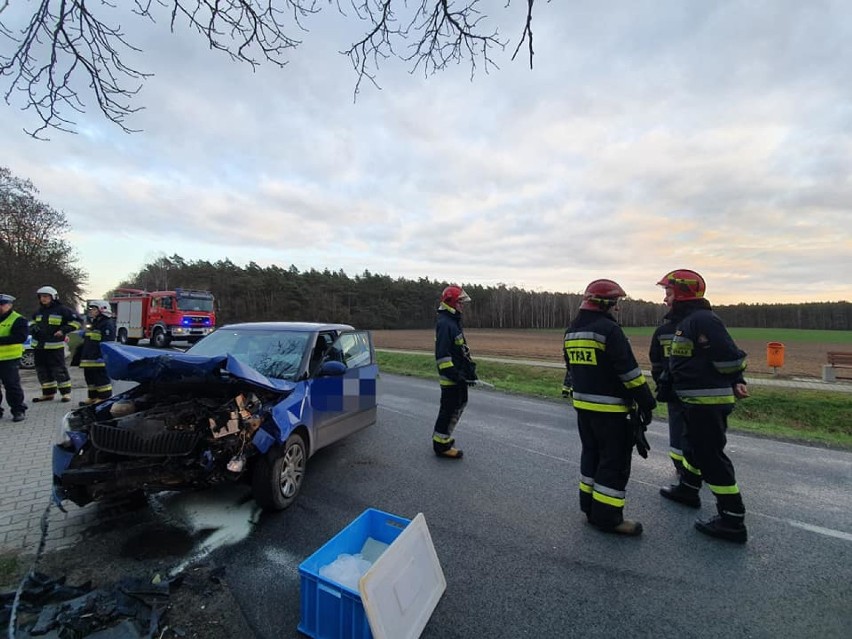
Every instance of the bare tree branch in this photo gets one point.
(527, 34)
(66, 50)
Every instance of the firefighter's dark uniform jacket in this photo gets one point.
(13, 334)
(49, 319)
(452, 356)
(705, 362)
(602, 369)
(661, 345)
(102, 330)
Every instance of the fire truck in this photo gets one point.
(162, 316)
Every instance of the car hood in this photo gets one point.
(139, 364)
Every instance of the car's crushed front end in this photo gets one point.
(191, 422)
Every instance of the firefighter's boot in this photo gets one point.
(88, 402)
(682, 494)
(43, 398)
(723, 527)
(627, 527)
(450, 453)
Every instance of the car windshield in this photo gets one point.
(195, 304)
(275, 354)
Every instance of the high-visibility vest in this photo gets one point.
(10, 351)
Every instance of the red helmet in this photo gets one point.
(687, 285)
(453, 295)
(601, 295)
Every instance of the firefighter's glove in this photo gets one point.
(665, 393)
(567, 392)
(637, 421)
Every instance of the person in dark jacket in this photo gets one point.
(705, 376)
(13, 334)
(456, 370)
(606, 384)
(100, 330)
(49, 326)
(659, 352)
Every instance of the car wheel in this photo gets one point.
(159, 338)
(278, 475)
(121, 338)
(28, 359)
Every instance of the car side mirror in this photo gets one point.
(331, 368)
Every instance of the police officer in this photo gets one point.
(13, 334)
(100, 330)
(456, 370)
(49, 326)
(606, 384)
(706, 376)
(659, 352)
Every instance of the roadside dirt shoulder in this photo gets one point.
(200, 602)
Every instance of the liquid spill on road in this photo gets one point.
(214, 518)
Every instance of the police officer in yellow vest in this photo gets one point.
(13, 334)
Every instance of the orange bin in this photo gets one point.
(775, 354)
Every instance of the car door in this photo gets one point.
(344, 404)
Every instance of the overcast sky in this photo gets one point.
(649, 135)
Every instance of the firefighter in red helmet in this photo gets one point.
(705, 376)
(456, 370)
(606, 385)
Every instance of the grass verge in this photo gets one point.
(804, 416)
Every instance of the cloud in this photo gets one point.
(647, 136)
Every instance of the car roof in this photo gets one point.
(289, 326)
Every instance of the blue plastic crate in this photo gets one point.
(330, 610)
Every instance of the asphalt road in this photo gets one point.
(519, 559)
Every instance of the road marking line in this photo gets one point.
(828, 532)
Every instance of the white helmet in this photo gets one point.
(103, 307)
(48, 290)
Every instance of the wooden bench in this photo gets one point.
(839, 366)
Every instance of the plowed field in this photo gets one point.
(801, 359)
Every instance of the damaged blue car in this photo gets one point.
(250, 402)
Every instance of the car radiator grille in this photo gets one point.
(123, 441)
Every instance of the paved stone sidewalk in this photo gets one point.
(26, 477)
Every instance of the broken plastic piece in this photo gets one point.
(237, 464)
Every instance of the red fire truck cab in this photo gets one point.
(162, 316)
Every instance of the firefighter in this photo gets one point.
(661, 346)
(49, 326)
(606, 384)
(456, 370)
(13, 334)
(101, 329)
(705, 375)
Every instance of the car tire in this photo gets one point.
(121, 338)
(28, 360)
(278, 474)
